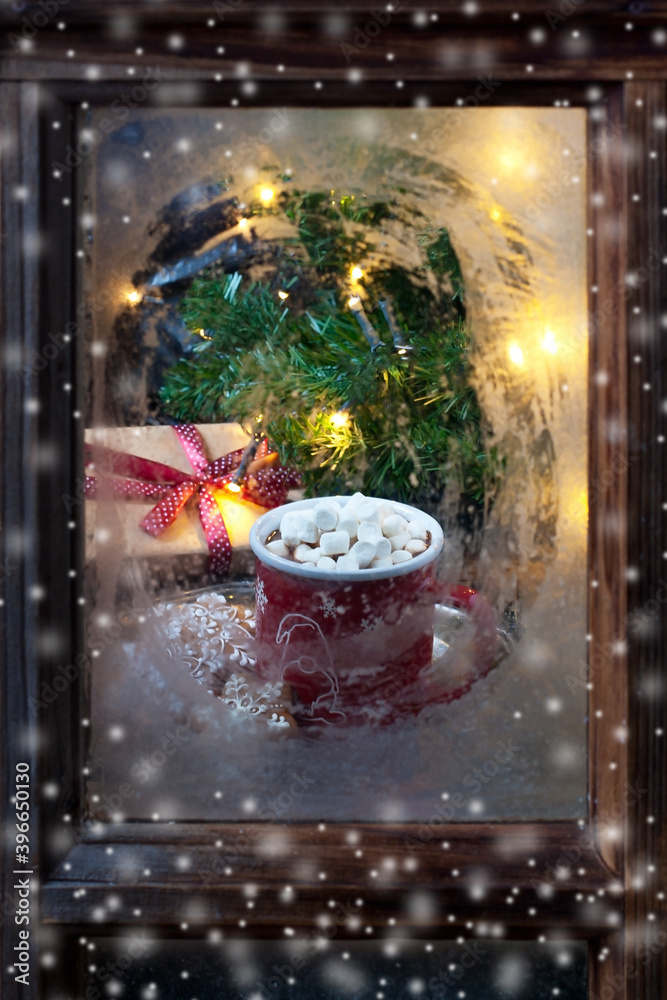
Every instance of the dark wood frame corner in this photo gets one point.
(38, 296)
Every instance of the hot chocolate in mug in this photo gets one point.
(357, 645)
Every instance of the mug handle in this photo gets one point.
(484, 621)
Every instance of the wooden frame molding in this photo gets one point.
(616, 858)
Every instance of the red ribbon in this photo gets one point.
(135, 478)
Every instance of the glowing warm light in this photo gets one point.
(134, 297)
(495, 214)
(243, 223)
(283, 295)
(340, 419)
(357, 273)
(549, 342)
(401, 350)
(354, 302)
(266, 194)
(508, 160)
(516, 354)
(576, 506)
(233, 487)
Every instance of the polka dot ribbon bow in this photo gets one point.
(134, 478)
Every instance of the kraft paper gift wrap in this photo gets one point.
(179, 556)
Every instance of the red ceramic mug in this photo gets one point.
(354, 646)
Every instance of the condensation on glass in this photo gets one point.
(509, 185)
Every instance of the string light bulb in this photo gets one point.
(266, 195)
(340, 419)
(242, 223)
(515, 354)
(283, 295)
(357, 273)
(549, 342)
(134, 297)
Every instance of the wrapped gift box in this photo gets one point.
(116, 547)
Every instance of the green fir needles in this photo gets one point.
(287, 352)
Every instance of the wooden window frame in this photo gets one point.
(38, 296)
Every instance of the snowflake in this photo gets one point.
(328, 606)
(260, 596)
(370, 624)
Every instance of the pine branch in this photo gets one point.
(298, 360)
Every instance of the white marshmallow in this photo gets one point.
(382, 548)
(288, 522)
(399, 541)
(417, 529)
(326, 562)
(334, 543)
(368, 511)
(304, 554)
(385, 511)
(278, 548)
(400, 556)
(381, 564)
(326, 515)
(347, 521)
(354, 501)
(415, 546)
(393, 525)
(346, 564)
(308, 530)
(363, 552)
(369, 532)
(289, 528)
